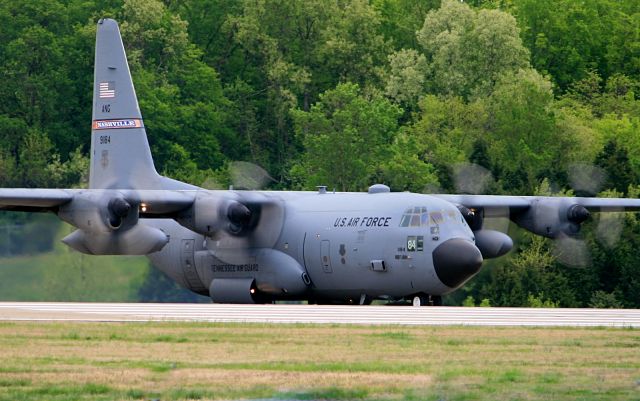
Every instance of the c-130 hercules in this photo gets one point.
(263, 246)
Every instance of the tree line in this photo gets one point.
(496, 96)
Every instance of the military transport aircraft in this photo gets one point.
(263, 246)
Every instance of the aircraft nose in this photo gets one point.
(455, 260)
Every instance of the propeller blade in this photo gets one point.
(609, 228)
(586, 179)
(571, 252)
(471, 178)
(245, 175)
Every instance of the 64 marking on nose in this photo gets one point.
(415, 243)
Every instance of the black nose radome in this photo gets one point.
(456, 260)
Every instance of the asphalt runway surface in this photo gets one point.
(320, 314)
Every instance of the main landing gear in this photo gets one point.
(426, 300)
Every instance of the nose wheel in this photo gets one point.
(426, 300)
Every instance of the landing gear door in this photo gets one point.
(325, 257)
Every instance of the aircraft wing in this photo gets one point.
(491, 204)
(33, 200)
(519, 204)
(159, 203)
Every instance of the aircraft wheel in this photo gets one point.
(436, 300)
(420, 300)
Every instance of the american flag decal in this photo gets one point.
(107, 89)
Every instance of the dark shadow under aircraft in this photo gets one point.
(263, 246)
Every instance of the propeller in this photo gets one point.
(470, 178)
(252, 220)
(567, 248)
(587, 180)
(107, 224)
(570, 251)
(246, 175)
(609, 228)
(239, 220)
(557, 220)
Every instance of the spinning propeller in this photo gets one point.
(236, 222)
(557, 218)
(572, 250)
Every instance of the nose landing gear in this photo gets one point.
(426, 300)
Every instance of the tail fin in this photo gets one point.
(120, 153)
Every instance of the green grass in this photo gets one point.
(199, 361)
(66, 275)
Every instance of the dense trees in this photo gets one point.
(483, 96)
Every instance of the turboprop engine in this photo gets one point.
(108, 225)
(553, 218)
(241, 219)
(211, 213)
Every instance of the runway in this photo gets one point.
(317, 314)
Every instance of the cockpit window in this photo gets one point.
(436, 218)
(415, 217)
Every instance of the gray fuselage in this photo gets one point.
(334, 246)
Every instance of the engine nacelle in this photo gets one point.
(239, 220)
(138, 240)
(553, 217)
(492, 244)
(100, 212)
(209, 214)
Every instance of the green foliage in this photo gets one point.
(485, 303)
(615, 162)
(540, 301)
(353, 47)
(400, 19)
(34, 152)
(604, 300)
(523, 123)
(407, 77)
(468, 50)
(340, 126)
(445, 131)
(404, 170)
(469, 302)
(532, 271)
(72, 173)
(567, 39)
(180, 97)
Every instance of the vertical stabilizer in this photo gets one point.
(120, 153)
